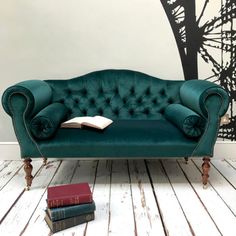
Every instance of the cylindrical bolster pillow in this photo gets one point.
(189, 122)
(47, 121)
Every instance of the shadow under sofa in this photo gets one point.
(152, 118)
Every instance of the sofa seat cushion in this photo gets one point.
(123, 138)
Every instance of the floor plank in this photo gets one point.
(9, 171)
(101, 195)
(85, 172)
(132, 197)
(227, 170)
(211, 200)
(147, 217)
(168, 203)
(195, 212)
(13, 190)
(4, 164)
(232, 163)
(121, 208)
(221, 185)
(37, 222)
(15, 221)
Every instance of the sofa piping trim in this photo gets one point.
(10, 106)
(208, 122)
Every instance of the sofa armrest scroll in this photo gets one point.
(211, 101)
(37, 93)
(22, 101)
(194, 94)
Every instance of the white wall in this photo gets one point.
(43, 39)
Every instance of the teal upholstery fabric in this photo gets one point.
(123, 138)
(22, 101)
(194, 94)
(135, 101)
(47, 121)
(116, 94)
(37, 93)
(189, 122)
(211, 101)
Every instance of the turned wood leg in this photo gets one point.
(45, 161)
(28, 170)
(186, 160)
(205, 171)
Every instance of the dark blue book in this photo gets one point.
(59, 225)
(60, 213)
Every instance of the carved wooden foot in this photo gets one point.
(28, 170)
(205, 171)
(186, 160)
(45, 161)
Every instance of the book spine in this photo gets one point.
(70, 211)
(73, 200)
(70, 222)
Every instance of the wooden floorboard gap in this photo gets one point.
(197, 194)
(132, 197)
(154, 193)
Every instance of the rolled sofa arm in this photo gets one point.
(194, 94)
(22, 101)
(211, 101)
(37, 93)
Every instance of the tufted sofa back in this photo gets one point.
(116, 94)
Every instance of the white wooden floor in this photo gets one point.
(132, 197)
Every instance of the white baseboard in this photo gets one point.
(223, 150)
(9, 151)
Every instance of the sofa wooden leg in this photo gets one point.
(28, 170)
(45, 161)
(205, 171)
(186, 160)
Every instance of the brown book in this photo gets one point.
(69, 194)
(68, 222)
(97, 122)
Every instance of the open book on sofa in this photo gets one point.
(97, 122)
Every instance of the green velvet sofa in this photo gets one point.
(153, 118)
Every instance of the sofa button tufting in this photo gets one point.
(100, 112)
(76, 101)
(100, 90)
(92, 101)
(162, 92)
(148, 92)
(116, 111)
(162, 111)
(124, 100)
(146, 111)
(154, 101)
(62, 101)
(139, 100)
(84, 92)
(84, 112)
(108, 101)
(132, 91)
(131, 112)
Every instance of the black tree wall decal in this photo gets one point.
(195, 37)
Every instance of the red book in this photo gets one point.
(70, 194)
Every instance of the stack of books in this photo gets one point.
(69, 205)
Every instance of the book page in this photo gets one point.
(76, 122)
(98, 122)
